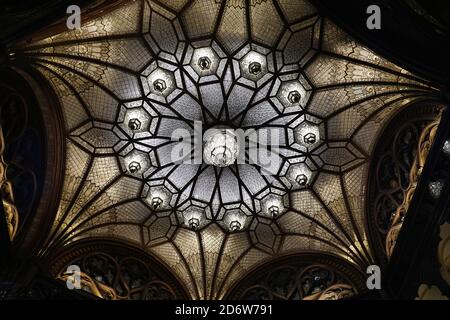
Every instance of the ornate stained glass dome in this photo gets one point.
(219, 135)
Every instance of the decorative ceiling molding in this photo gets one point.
(130, 78)
(390, 181)
(426, 140)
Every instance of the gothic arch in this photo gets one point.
(116, 270)
(298, 276)
(34, 152)
(390, 170)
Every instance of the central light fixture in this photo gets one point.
(294, 97)
(156, 202)
(254, 68)
(235, 220)
(158, 198)
(193, 218)
(301, 179)
(299, 175)
(204, 63)
(307, 134)
(134, 166)
(134, 124)
(272, 206)
(220, 147)
(159, 85)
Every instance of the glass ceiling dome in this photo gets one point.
(135, 84)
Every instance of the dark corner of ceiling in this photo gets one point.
(19, 19)
(415, 34)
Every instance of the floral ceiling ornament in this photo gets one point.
(334, 292)
(425, 141)
(150, 68)
(446, 147)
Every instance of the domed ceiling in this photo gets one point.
(156, 96)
